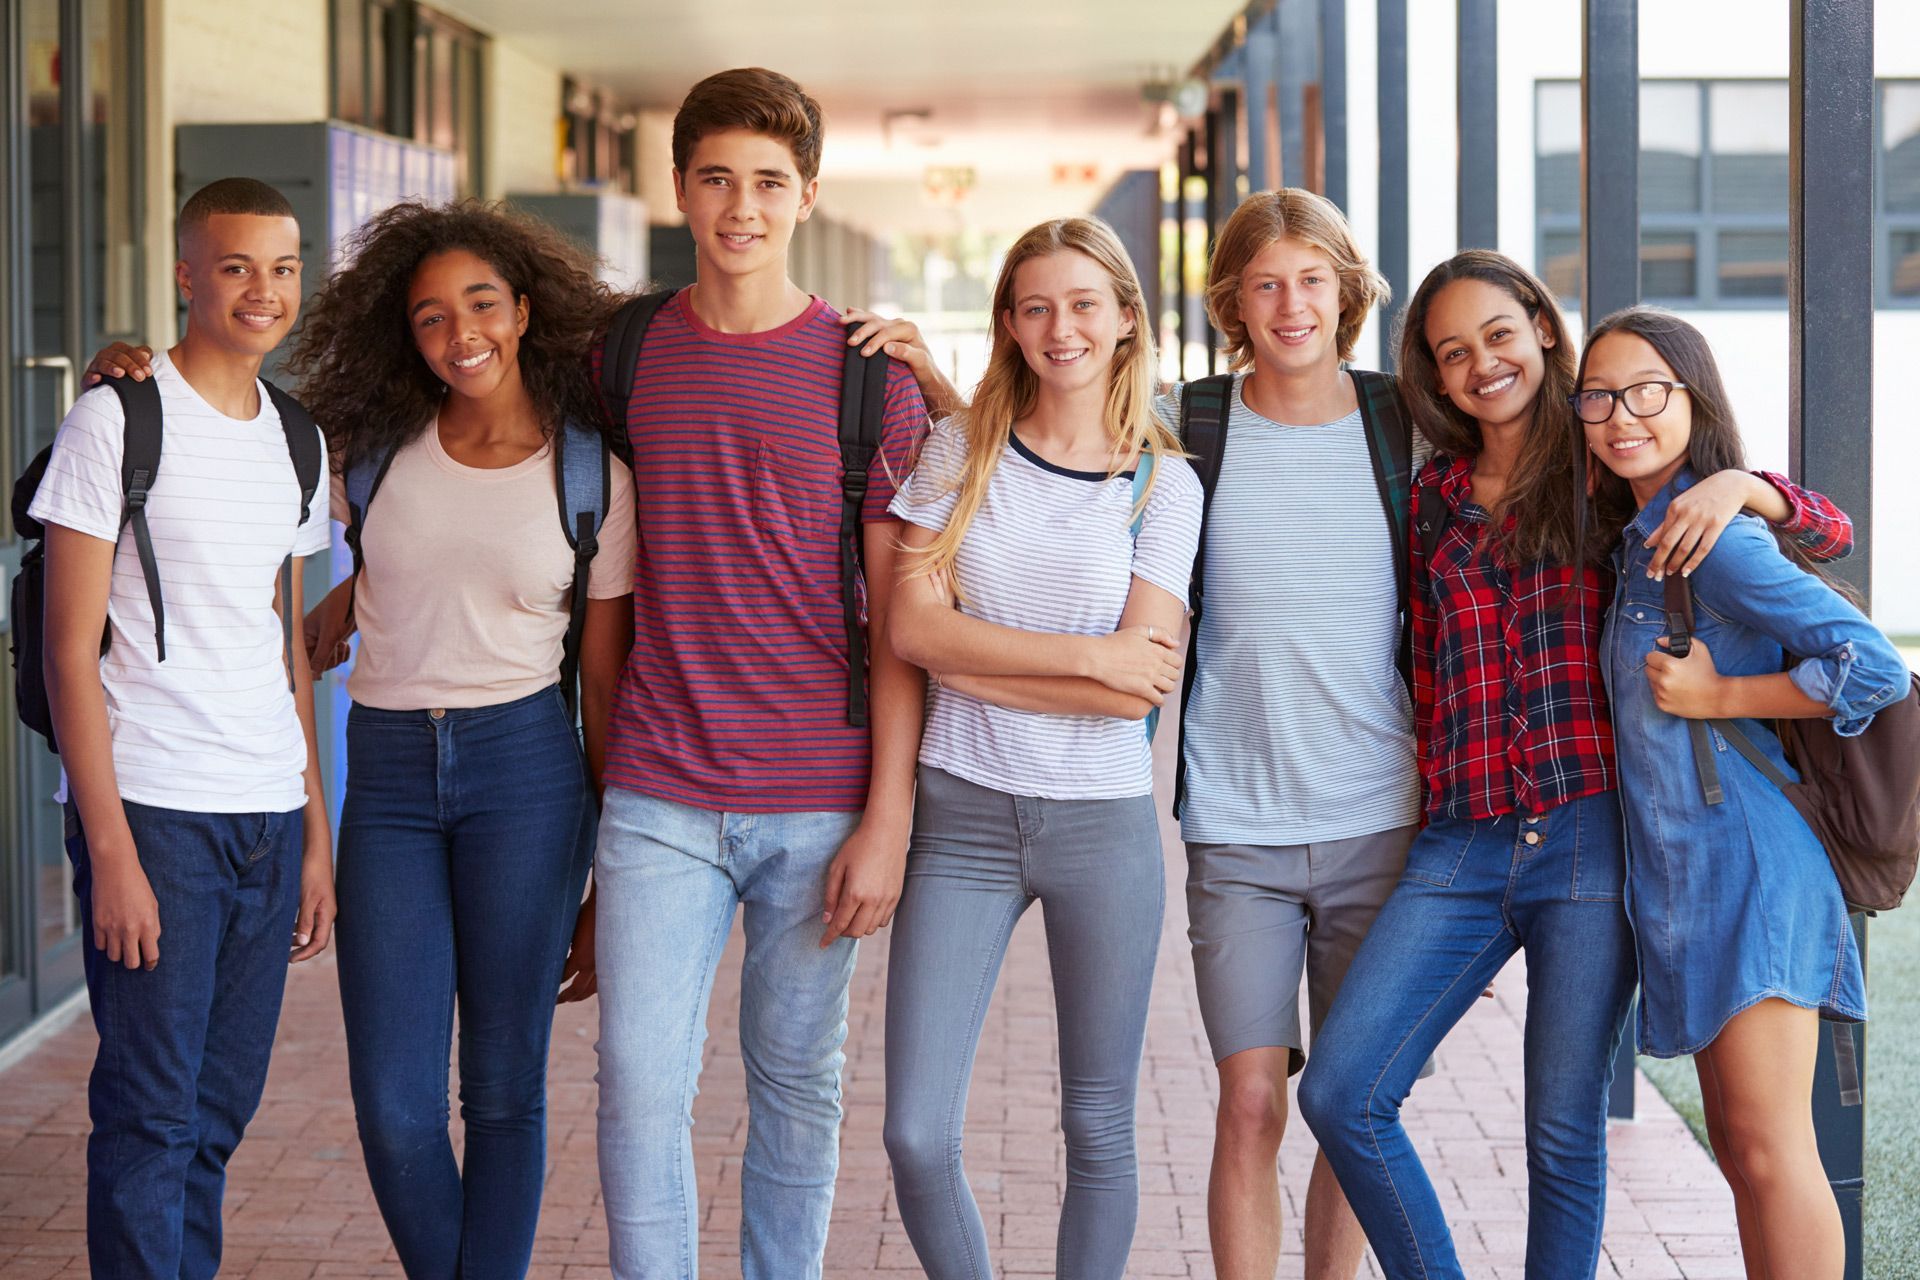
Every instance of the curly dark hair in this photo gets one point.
(359, 372)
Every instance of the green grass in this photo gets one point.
(1893, 1094)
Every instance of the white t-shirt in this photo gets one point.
(1049, 550)
(212, 729)
(467, 589)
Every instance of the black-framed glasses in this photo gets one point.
(1643, 400)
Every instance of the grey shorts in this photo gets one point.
(1261, 916)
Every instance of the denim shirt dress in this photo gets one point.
(1734, 903)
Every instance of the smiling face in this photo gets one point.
(1066, 319)
(1490, 354)
(1648, 450)
(743, 196)
(240, 275)
(1290, 304)
(466, 323)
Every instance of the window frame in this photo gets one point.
(1706, 225)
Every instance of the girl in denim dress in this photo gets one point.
(1741, 930)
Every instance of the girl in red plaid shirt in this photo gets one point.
(1523, 848)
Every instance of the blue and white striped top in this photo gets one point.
(1299, 727)
(1049, 550)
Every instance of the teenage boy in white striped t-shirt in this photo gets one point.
(195, 821)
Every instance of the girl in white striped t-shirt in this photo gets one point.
(1046, 602)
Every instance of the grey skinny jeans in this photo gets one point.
(978, 858)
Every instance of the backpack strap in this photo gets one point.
(584, 478)
(1431, 520)
(1679, 610)
(620, 353)
(139, 467)
(362, 480)
(1205, 405)
(303, 446)
(1390, 448)
(863, 412)
(1143, 481)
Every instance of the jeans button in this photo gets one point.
(438, 713)
(1533, 837)
(1533, 820)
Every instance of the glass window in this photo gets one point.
(1560, 265)
(1748, 143)
(1905, 277)
(1900, 127)
(1557, 171)
(1753, 264)
(349, 60)
(1668, 261)
(1669, 147)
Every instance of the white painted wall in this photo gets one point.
(523, 122)
(1540, 39)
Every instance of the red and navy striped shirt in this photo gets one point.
(734, 697)
(1509, 711)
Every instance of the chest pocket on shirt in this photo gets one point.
(1638, 623)
(785, 499)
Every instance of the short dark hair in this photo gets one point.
(757, 100)
(230, 195)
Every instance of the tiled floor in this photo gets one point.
(298, 1204)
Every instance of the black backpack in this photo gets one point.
(139, 467)
(863, 407)
(1205, 406)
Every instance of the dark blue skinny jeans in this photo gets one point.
(464, 845)
(1474, 892)
(184, 1045)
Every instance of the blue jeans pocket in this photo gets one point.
(1600, 850)
(1439, 850)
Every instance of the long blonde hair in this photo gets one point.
(1009, 389)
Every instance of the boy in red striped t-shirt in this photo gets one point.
(732, 776)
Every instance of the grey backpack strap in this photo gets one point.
(584, 481)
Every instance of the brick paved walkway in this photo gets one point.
(298, 1204)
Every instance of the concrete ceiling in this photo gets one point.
(1042, 101)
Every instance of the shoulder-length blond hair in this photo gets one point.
(1289, 213)
(1009, 388)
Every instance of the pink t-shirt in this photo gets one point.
(468, 581)
(735, 697)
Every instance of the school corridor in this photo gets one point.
(299, 1208)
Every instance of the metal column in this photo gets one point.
(1333, 98)
(1223, 188)
(1478, 97)
(1182, 325)
(1830, 402)
(1610, 242)
(1392, 257)
(1260, 67)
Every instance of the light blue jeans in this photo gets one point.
(669, 878)
(979, 859)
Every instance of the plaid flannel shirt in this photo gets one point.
(1509, 710)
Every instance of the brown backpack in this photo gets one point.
(1861, 795)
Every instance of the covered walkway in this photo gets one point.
(298, 1206)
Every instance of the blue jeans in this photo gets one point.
(184, 1045)
(464, 843)
(667, 880)
(979, 859)
(1475, 892)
